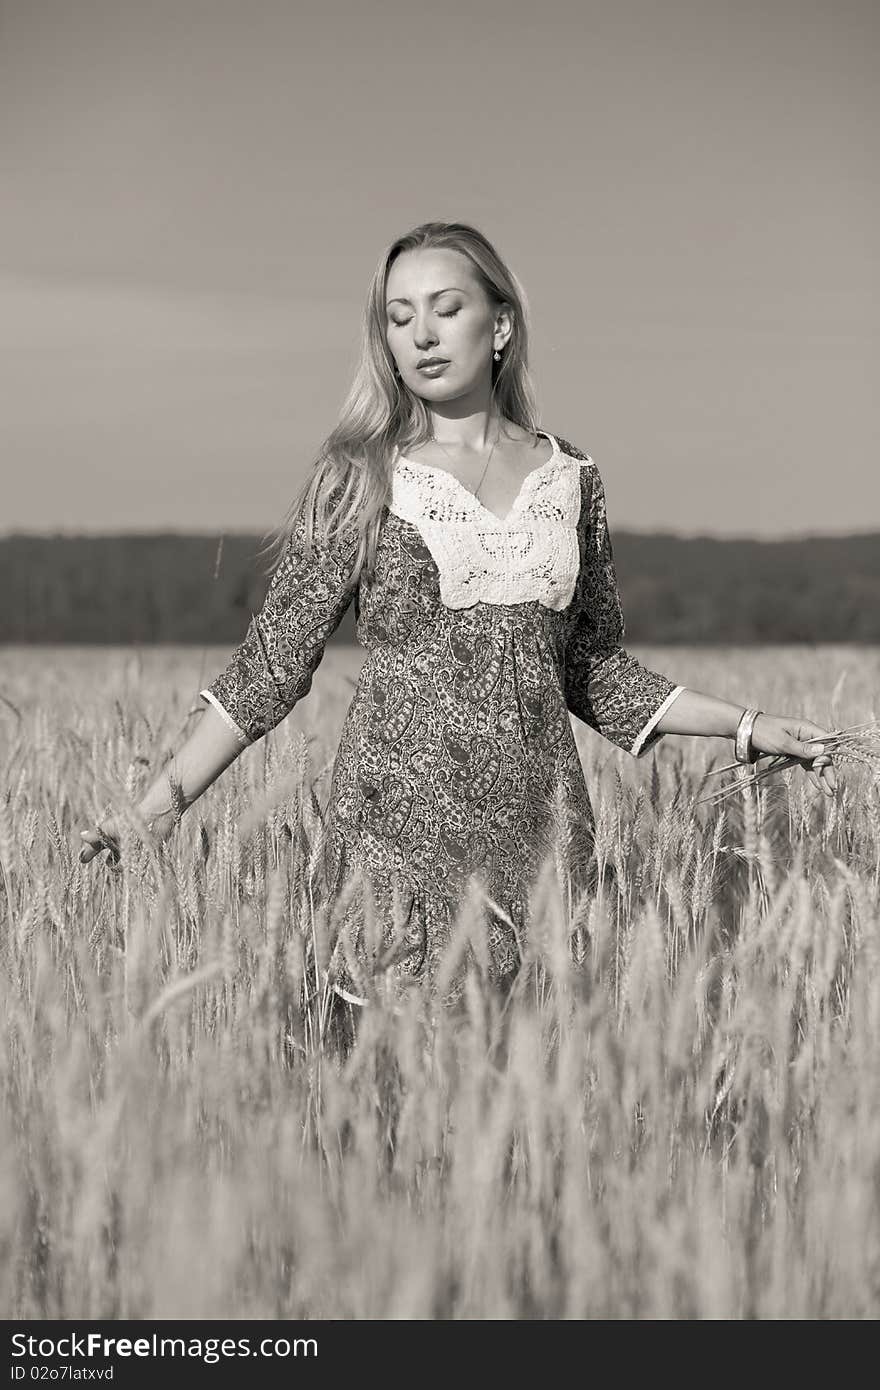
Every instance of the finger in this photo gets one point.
(807, 728)
(804, 749)
(825, 769)
(94, 844)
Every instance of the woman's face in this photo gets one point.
(436, 308)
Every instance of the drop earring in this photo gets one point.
(497, 355)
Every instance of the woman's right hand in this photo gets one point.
(96, 839)
(160, 826)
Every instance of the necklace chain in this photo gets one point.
(476, 492)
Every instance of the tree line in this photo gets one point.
(200, 589)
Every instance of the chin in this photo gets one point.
(432, 389)
(443, 386)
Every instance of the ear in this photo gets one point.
(503, 325)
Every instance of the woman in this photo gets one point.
(475, 548)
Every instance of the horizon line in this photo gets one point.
(253, 534)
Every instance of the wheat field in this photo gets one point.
(687, 1126)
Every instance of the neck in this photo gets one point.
(470, 423)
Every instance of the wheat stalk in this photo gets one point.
(859, 743)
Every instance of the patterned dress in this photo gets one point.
(457, 763)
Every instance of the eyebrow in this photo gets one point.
(435, 295)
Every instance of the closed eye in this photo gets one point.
(401, 323)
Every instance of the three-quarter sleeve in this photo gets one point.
(273, 666)
(605, 685)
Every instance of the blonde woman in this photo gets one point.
(475, 548)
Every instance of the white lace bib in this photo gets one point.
(532, 554)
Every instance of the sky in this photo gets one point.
(194, 195)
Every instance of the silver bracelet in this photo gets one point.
(742, 743)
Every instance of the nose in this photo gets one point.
(425, 337)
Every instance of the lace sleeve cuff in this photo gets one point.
(648, 734)
(226, 716)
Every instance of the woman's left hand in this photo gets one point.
(780, 733)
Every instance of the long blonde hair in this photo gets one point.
(349, 483)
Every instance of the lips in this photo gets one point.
(434, 362)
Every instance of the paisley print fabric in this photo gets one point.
(457, 762)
